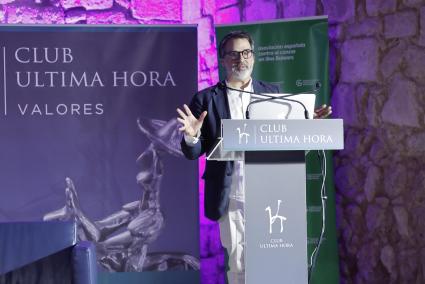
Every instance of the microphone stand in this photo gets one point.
(271, 98)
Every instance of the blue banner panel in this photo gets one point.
(167, 277)
(87, 119)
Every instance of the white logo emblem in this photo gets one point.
(243, 134)
(272, 219)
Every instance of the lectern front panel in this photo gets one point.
(276, 219)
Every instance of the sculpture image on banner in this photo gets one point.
(142, 219)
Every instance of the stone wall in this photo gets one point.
(378, 60)
(378, 80)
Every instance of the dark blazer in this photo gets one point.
(218, 174)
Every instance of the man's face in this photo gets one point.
(237, 67)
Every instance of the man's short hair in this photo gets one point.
(233, 35)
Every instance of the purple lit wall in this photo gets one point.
(378, 85)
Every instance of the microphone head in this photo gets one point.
(318, 85)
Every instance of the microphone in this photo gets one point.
(271, 98)
(318, 85)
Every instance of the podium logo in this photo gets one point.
(242, 134)
(273, 219)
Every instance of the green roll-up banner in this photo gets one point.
(295, 55)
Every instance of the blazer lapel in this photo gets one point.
(221, 103)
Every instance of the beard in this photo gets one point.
(241, 71)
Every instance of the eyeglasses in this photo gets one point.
(247, 53)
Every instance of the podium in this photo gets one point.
(273, 152)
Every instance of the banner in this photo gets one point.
(295, 55)
(87, 117)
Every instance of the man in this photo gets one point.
(201, 125)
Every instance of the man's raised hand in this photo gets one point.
(322, 112)
(190, 124)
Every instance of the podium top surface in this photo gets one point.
(282, 135)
